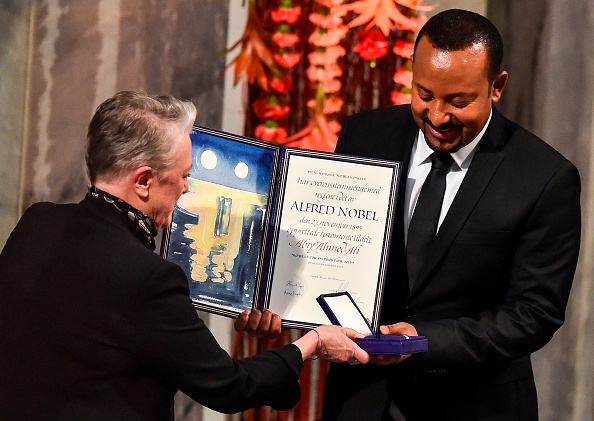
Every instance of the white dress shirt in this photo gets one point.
(420, 165)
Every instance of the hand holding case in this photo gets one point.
(342, 310)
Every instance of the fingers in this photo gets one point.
(264, 324)
(353, 361)
(353, 334)
(241, 321)
(269, 326)
(399, 329)
(360, 356)
(336, 344)
(387, 359)
(248, 322)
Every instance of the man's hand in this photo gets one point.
(266, 325)
(333, 343)
(395, 329)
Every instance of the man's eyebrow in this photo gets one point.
(465, 95)
(422, 87)
(449, 96)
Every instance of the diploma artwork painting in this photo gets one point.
(217, 229)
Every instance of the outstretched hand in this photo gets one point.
(394, 329)
(335, 344)
(263, 324)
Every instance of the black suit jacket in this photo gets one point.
(494, 288)
(95, 326)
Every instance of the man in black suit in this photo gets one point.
(94, 325)
(491, 285)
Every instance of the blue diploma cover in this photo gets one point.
(342, 310)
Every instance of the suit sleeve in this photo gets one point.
(540, 279)
(174, 342)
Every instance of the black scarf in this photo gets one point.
(144, 222)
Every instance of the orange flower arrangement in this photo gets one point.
(383, 17)
(270, 52)
(321, 133)
(256, 61)
(372, 45)
(285, 57)
(254, 56)
(384, 14)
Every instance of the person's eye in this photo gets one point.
(460, 104)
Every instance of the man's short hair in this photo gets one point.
(455, 30)
(132, 129)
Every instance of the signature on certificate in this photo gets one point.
(293, 288)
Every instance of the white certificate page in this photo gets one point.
(333, 236)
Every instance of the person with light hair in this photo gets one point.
(95, 325)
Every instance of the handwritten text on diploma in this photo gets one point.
(333, 225)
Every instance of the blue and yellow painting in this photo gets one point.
(217, 229)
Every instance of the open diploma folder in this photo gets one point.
(342, 310)
(266, 226)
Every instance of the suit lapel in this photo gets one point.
(400, 150)
(484, 165)
(402, 143)
(396, 285)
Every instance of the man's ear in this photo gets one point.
(498, 85)
(142, 180)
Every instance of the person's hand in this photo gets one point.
(334, 343)
(266, 324)
(398, 329)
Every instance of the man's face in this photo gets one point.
(170, 185)
(451, 94)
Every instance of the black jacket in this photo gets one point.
(96, 326)
(494, 288)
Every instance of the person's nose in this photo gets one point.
(438, 113)
(186, 187)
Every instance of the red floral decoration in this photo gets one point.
(321, 132)
(384, 17)
(271, 52)
(271, 109)
(372, 45)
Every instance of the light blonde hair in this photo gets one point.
(132, 129)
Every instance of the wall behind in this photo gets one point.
(550, 58)
(14, 31)
(84, 51)
(78, 53)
